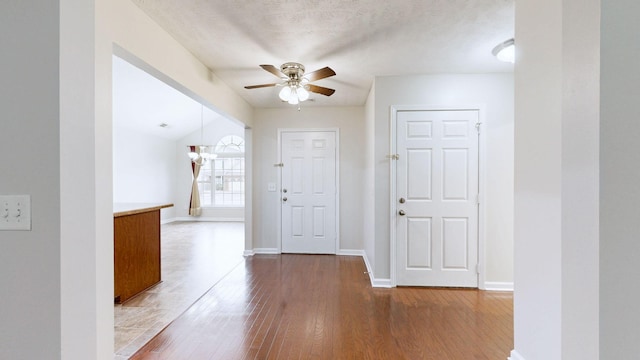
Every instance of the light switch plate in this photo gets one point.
(15, 212)
(271, 186)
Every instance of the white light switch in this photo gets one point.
(15, 212)
(271, 186)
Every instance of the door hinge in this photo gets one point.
(393, 157)
(478, 127)
(278, 165)
(478, 198)
(478, 269)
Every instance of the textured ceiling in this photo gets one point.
(359, 39)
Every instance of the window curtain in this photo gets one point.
(194, 203)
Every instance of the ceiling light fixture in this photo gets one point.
(293, 93)
(296, 86)
(200, 154)
(506, 51)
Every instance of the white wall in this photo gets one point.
(216, 129)
(57, 282)
(494, 92)
(350, 121)
(556, 180)
(620, 176)
(368, 185)
(49, 307)
(144, 169)
(30, 126)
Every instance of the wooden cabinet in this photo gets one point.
(136, 246)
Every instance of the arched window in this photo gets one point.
(221, 180)
(230, 144)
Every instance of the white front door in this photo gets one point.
(308, 192)
(437, 198)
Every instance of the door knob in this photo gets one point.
(401, 213)
(284, 199)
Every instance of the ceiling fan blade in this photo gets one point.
(325, 72)
(320, 90)
(259, 86)
(272, 69)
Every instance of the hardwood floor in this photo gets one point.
(323, 307)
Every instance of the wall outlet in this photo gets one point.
(15, 212)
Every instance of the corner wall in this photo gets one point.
(619, 176)
(369, 194)
(30, 97)
(556, 180)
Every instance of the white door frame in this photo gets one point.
(393, 204)
(337, 185)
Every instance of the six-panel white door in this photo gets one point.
(308, 192)
(437, 204)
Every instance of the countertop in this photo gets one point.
(124, 209)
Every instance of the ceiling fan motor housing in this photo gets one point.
(293, 70)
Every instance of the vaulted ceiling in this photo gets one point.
(359, 39)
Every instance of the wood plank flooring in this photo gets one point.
(323, 307)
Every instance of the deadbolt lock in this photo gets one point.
(402, 200)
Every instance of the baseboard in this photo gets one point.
(381, 283)
(349, 252)
(377, 283)
(167, 221)
(272, 251)
(515, 356)
(266, 251)
(212, 219)
(498, 286)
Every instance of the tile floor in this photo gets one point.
(195, 256)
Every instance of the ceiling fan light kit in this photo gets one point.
(295, 85)
(200, 154)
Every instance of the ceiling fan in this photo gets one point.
(296, 85)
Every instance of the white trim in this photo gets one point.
(497, 286)
(393, 207)
(248, 253)
(167, 221)
(367, 265)
(265, 251)
(337, 180)
(350, 252)
(204, 219)
(248, 190)
(381, 283)
(482, 192)
(376, 283)
(482, 156)
(515, 356)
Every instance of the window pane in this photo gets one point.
(224, 176)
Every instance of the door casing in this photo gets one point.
(337, 179)
(393, 204)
